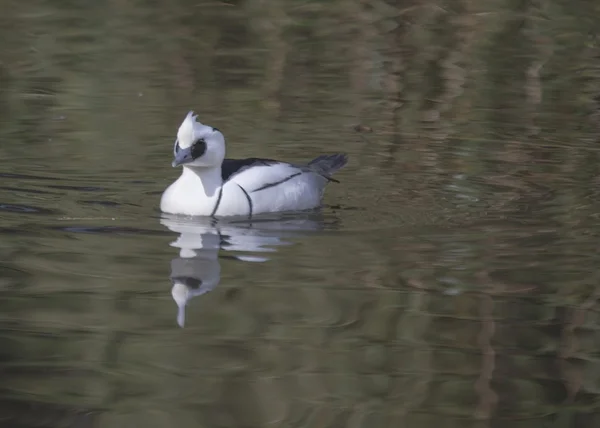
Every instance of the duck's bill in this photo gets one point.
(182, 157)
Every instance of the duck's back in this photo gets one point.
(230, 167)
(272, 186)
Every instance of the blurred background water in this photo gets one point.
(451, 278)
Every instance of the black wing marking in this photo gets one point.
(250, 206)
(214, 211)
(230, 167)
(323, 165)
(276, 183)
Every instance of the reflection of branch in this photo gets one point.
(500, 288)
(572, 376)
(361, 22)
(392, 66)
(449, 65)
(273, 30)
(533, 85)
(488, 398)
(416, 320)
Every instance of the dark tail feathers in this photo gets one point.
(326, 165)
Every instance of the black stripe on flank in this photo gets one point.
(267, 186)
(214, 211)
(250, 208)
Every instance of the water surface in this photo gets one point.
(450, 278)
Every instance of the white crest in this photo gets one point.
(185, 134)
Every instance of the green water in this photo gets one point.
(452, 277)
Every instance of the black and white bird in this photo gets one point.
(211, 185)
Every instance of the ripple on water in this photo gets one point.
(21, 190)
(78, 188)
(110, 230)
(25, 177)
(24, 209)
(16, 231)
(102, 203)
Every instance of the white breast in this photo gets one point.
(192, 195)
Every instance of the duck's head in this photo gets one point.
(197, 144)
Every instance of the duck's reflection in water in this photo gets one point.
(197, 269)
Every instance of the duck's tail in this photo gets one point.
(327, 165)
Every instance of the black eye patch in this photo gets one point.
(215, 129)
(198, 149)
(188, 281)
(175, 147)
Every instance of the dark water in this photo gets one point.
(451, 278)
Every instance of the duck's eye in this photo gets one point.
(176, 147)
(215, 129)
(198, 148)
